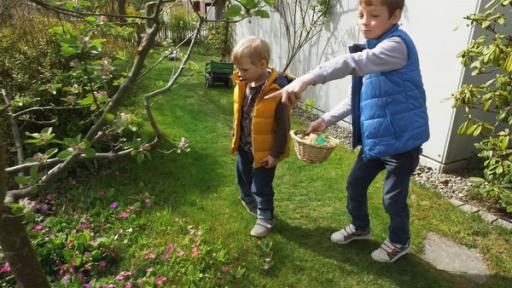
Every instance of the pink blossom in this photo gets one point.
(123, 215)
(170, 248)
(196, 251)
(148, 202)
(149, 255)
(87, 286)
(165, 255)
(128, 285)
(228, 267)
(102, 264)
(111, 286)
(160, 280)
(84, 225)
(38, 227)
(6, 268)
(114, 205)
(122, 275)
(149, 270)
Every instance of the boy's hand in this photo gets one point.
(269, 162)
(292, 93)
(318, 126)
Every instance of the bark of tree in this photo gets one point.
(14, 240)
(121, 8)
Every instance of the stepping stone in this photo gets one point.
(449, 256)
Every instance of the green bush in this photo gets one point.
(180, 25)
(490, 53)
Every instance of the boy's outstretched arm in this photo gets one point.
(292, 93)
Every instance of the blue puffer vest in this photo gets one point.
(389, 114)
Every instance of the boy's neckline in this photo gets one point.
(261, 82)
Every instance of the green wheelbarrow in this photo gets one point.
(218, 72)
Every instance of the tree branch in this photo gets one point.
(18, 141)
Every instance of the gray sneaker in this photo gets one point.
(389, 252)
(349, 234)
(262, 227)
(251, 208)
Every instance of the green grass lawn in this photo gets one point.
(200, 187)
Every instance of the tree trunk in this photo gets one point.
(121, 8)
(14, 240)
(220, 5)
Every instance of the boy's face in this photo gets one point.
(251, 72)
(375, 21)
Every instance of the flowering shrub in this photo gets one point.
(83, 249)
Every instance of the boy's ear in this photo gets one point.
(263, 63)
(396, 16)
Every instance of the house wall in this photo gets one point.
(439, 31)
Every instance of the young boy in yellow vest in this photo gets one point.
(261, 128)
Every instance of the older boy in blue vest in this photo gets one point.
(389, 120)
(260, 127)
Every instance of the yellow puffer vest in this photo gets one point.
(262, 119)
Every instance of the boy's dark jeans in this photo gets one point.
(399, 168)
(255, 184)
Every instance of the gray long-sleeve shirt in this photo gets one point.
(388, 55)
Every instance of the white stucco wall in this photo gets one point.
(439, 31)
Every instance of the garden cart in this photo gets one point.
(218, 72)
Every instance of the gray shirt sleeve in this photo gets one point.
(390, 54)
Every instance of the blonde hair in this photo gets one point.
(392, 5)
(256, 49)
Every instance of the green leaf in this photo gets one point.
(66, 50)
(262, 13)
(65, 154)
(508, 64)
(22, 180)
(233, 11)
(249, 4)
(109, 117)
(87, 101)
(90, 19)
(89, 152)
(51, 152)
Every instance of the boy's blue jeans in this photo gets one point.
(255, 185)
(399, 168)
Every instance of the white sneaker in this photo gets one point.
(389, 252)
(262, 228)
(349, 234)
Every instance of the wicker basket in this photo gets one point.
(312, 153)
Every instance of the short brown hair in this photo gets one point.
(252, 47)
(392, 5)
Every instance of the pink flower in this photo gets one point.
(6, 268)
(128, 285)
(149, 270)
(148, 202)
(170, 248)
(38, 227)
(196, 251)
(160, 280)
(102, 264)
(165, 255)
(114, 205)
(123, 274)
(123, 215)
(84, 225)
(228, 267)
(149, 255)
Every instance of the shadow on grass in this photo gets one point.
(409, 271)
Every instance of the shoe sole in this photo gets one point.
(406, 251)
(367, 237)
